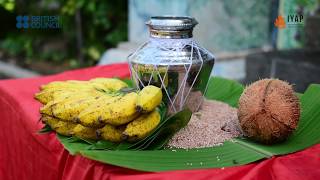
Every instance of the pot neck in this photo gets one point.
(170, 34)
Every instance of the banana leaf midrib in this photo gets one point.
(252, 148)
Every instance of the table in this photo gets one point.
(24, 154)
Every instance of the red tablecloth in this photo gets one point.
(24, 154)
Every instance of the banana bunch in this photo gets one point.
(99, 109)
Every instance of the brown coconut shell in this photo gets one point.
(268, 111)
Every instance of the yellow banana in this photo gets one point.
(142, 126)
(70, 109)
(48, 95)
(121, 111)
(68, 95)
(84, 132)
(149, 98)
(91, 116)
(110, 133)
(52, 122)
(44, 96)
(46, 109)
(100, 83)
(109, 83)
(50, 90)
(64, 84)
(64, 99)
(61, 127)
(65, 128)
(58, 98)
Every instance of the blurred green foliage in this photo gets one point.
(15, 45)
(7, 4)
(103, 25)
(309, 5)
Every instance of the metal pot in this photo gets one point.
(172, 60)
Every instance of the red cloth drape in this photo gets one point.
(24, 154)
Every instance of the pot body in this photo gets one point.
(179, 66)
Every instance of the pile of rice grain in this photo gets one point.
(213, 124)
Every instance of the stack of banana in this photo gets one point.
(99, 109)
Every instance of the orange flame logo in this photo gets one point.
(279, 22)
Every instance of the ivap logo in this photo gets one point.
(22, 22)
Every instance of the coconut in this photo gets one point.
(268, 111)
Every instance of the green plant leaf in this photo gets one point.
(127, 81)
(101, 145)
(173, 125)
(46, 129)
(224, 90)
(71, 144)
(232, 153)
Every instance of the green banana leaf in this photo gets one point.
(236, 152)
(45, 129)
